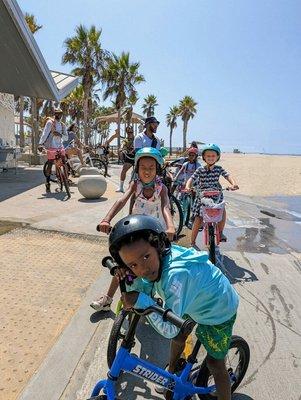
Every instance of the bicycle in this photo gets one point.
(190, 381)
(212, 214)
(56, 158)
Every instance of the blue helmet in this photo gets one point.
(213, 147)
(149, 152)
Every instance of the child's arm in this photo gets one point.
(189, 184)
(232, 182)
(104, 225)
(165, 203)
(234, 185)
(179, 172)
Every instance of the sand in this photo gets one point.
(264, 175)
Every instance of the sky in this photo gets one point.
(239, 60)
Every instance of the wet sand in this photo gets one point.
(264, 175)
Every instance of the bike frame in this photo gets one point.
(126, 362)
(214, 224)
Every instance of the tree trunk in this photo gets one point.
(170, 141)
(21, 117)
(185, 123)
(86, 114)
(118, 127)
(35, 126)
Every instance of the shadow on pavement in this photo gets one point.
(132, 387)
(234, 272)
(101, 315)
(100, 200)
(12, 184)
(60, 196)
(240, 396)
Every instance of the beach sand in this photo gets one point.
(264, 175)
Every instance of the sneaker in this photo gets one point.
(120, 190)
(180, 366)
(47, 185)
(102, 304)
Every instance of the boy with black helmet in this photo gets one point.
(188, 283)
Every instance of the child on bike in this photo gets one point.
(148, 196)
(188, 283)
(188, 168)
(207, 177)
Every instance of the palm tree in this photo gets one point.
(34, 27)
(150, 102)
(187, 110)
(171, 121)
(119, 80)
(85, 52)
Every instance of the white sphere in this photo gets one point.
(89, 171)
(92, 186)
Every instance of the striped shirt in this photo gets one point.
(205, 178)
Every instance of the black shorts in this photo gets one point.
(129, 160)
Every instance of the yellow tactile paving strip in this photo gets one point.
(43, 278)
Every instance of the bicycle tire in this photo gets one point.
(211, 244)
(64, 181)
(175, 206)
(100, 165)
(45, 167)
(186, 206)
(116, 335)
(100, 397)
(244, 358)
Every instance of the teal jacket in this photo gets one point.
(189, 285)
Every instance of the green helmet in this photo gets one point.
(149, 152)
(164, 152)
(213, 147)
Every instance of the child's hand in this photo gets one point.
(104, 227)
(233, 187)
(129, 299)
(170, 232)
(121, 273)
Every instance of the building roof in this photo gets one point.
(23, 70)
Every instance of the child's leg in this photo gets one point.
(176, 349)
(221, 226)
(221, 377)
(197, 223)
(113, 287)
(222, 223)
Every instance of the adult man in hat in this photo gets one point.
(148, 137)
(53, 135)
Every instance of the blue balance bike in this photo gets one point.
(183, 385)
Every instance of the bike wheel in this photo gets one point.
(52, 173)
(211, 240)
(237, 362)
(100, 165)
(64, 180)
(176, 213)
(186, 206)
(118, 332)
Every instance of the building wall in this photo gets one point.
(7, 123)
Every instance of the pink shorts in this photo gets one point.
(51, 153)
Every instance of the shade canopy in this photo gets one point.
(111, 118)
(23, 70)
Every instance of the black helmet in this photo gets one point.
(151, 120)
(132, 224)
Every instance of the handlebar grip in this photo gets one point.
(185, 326)
(109, 263)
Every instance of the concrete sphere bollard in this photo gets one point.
(92, 186)
(88, 171)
